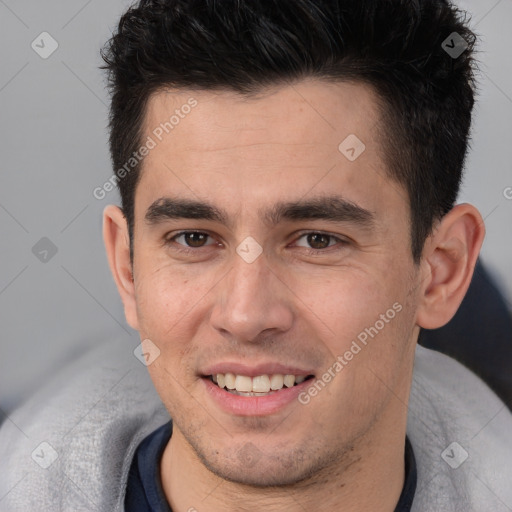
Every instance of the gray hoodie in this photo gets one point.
(69, 447)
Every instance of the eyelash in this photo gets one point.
(310, 251)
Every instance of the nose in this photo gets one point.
(252, 302)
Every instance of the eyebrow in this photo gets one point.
(328, 208)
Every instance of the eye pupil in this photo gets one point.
(195, 239)
(318, 240)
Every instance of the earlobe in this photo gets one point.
(117, 246)
(449, 259)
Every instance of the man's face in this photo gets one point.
(328, 274)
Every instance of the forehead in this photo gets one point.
(307, 113)
(281, 144)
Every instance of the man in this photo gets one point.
(288, 172)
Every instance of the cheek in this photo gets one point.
(167, 305)
(345, 302)
(365, 318)
(165, 299)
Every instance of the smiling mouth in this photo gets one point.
(261, 385)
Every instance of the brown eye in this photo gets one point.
(318, 240)
(193, 239)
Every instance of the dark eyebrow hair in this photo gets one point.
(180, 208)
(330, 208)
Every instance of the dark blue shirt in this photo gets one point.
(144, 492)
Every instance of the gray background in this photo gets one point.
(54, 153)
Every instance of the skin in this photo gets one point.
(345, 448)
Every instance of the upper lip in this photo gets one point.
(270, 368)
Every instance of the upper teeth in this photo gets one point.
(259, 384)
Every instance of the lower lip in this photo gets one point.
(253, 405)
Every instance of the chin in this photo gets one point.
(260, 476)
(249, 466)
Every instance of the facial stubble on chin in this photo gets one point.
(298, 468)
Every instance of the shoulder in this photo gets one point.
(461, 433)
(70, 446)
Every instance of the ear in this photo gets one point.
(117, 245)
(448, 262)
